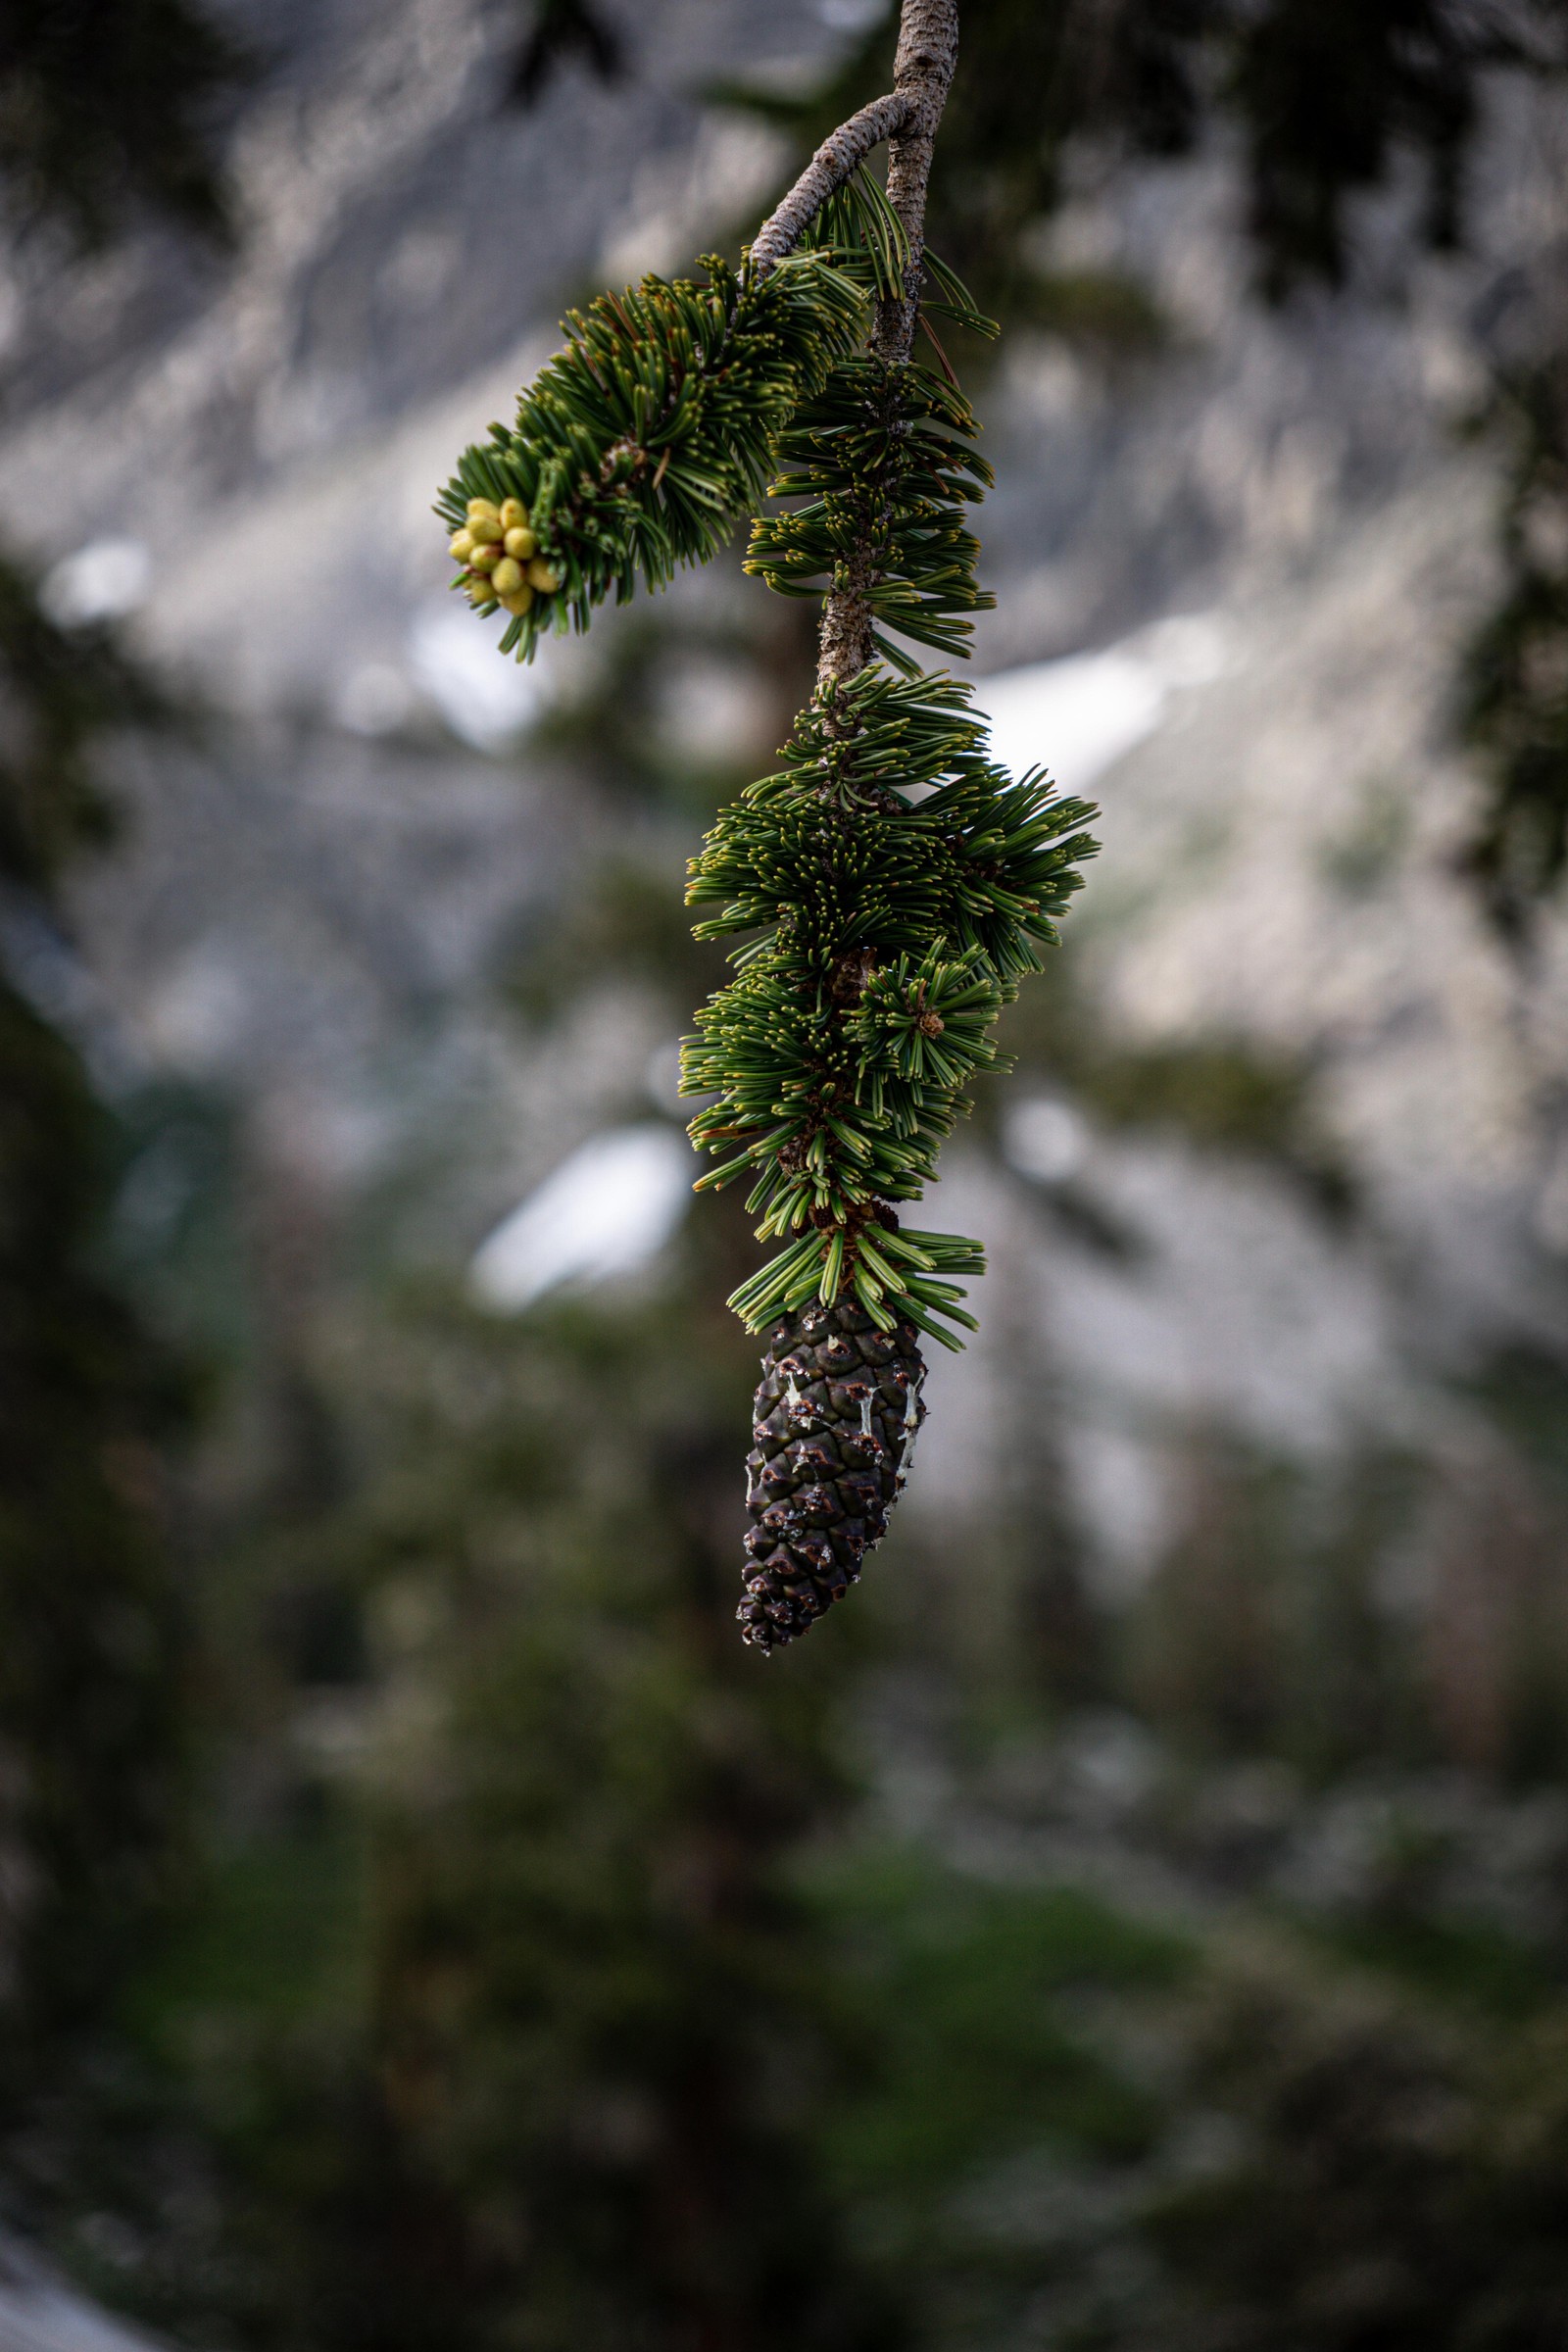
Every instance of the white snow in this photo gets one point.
(101, 581)
(1044, 1138)
(1077, 716)
(607, 1209)
(452, 658)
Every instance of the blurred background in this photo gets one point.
(1140, 1918)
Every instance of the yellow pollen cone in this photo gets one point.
(512, 512)
(482, 505)
(484, 530)
(486, 559)
(480, 592)
(543, 576)
(520, 542)
(506, 577)
(519, 600)
(461, 545)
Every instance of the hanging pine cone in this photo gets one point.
(834, 1429)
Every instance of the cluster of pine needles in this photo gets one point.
(890, 884)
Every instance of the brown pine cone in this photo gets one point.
(833, 1428)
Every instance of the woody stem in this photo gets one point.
(927, 52)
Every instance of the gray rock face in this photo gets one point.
(309, 912)
(308, 908)
(1281, 869)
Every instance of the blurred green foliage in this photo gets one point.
(64, 691)
(1391, 2183)
(1468, 1964)
(93, 1729)
(630, 920)
(89, 1690)
(985, 2059)
(1225, 1094)
(1261, 1634)
(625, 727)
(1081, 2129)
(1365, 856)
(1515, 702)
(499, 2016)
(1526, 1391)
(563, 32)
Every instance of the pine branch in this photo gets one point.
(895, 886)
(922, 73)
(922, 70)
(887, 933)
(890, 884)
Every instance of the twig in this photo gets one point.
(835, 162)
(927, 52)
(922, 72)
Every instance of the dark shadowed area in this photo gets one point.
(1137, 1918)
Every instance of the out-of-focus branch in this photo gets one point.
(564, 30)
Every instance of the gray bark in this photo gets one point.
(834, 162)
(927, 52)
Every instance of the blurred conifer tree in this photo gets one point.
(1516, 707)
(99, 100)
(89, 1696)
(555, 2081)
(562, 32)
(102, 101)
(604, 2025)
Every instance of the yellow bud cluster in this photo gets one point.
(500, 558)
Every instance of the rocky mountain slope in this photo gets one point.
(315, 896)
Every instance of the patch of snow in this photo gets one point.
(101, 582)
(1077, 716)
(1044, 1138)
(607, 1209)
(451, 654)
(40, 2312)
